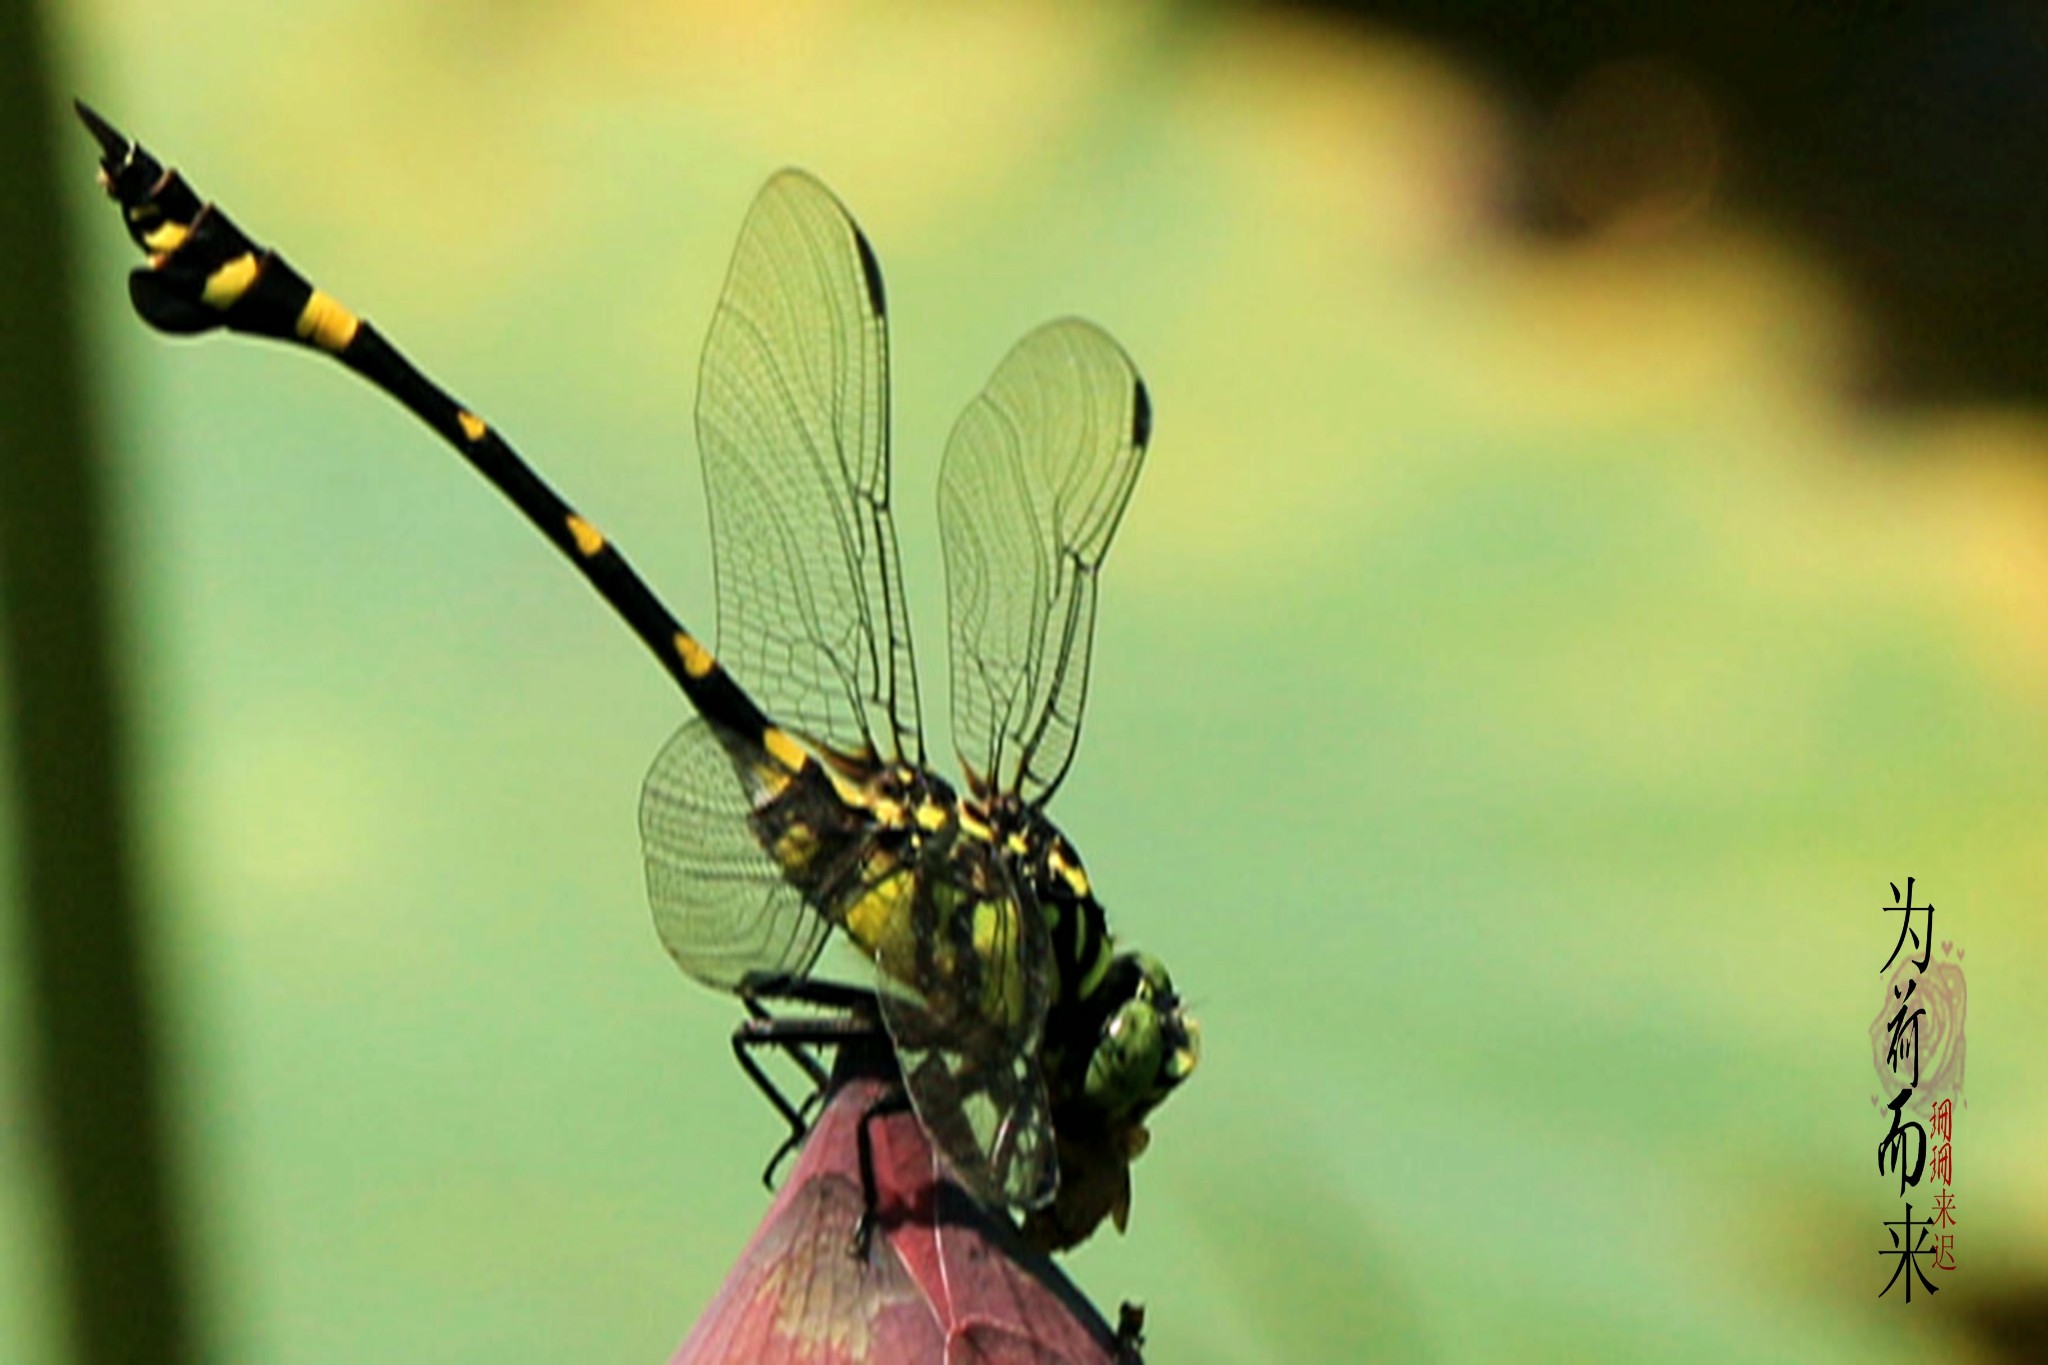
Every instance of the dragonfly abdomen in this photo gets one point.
(205, 273)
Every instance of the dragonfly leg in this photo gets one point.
(793, 1038)
(896, 1102)
(743, 1046)
(796, 1052)
(804, 990)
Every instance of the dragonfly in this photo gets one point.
(1032, 1048)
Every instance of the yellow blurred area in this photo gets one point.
(1524, 667)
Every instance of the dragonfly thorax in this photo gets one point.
(903, 799)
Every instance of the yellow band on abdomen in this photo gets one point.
(230, 282)
(326, 324)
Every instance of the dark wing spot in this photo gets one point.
(871, 271)
(1141, 415)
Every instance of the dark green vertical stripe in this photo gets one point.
(93, 1045)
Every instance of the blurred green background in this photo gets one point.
(1523, 668)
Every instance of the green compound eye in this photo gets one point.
(1124, 1071)
(1148, 1044)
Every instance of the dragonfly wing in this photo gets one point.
(793, 422)
(721, 904)
(989, 1117)
(1036, 477)
(966, 1021)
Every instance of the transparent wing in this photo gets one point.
(966, 1020)
(1036, 477)
(793, 422)
(720, 903)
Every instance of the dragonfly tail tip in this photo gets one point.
(113, 144)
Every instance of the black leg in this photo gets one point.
(796, 1052)
(793, 1038)
(804, 990)
(896, 1102)
(743, 1045)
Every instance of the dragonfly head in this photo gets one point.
(1145, 1046)
(1148, 1044)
